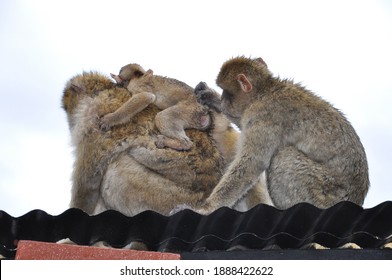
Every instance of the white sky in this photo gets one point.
(341, 50)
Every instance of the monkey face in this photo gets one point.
(233, 105)
(127, 73)
(227, 103)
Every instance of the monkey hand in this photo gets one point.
(180, 207)
(203, 93)
(182, 144)
(207, 96)
(106, 122)
(201, 86)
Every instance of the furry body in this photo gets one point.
(307, 149)
(121, 168)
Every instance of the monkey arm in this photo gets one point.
(131, 188)
(256, 150)
(126, 112)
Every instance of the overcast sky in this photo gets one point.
(341, 50)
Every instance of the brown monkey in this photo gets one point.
(308, 149)
(127, 73)
(122, 169)
(175, 98)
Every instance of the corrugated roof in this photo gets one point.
(263, 227)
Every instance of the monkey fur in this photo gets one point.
(307, 149)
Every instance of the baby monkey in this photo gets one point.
(180, 109)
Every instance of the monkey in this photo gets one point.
(122, 169)
(307, 149)
(176, 99)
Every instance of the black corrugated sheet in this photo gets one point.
(260, 228)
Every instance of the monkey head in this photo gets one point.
(127, 73)
(240, 79)
(86, 84)
(142, 83)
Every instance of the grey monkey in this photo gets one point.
(308, 149)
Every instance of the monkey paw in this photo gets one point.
(203, 93)
(184, 206)
(175, 144)
(201, 86)
(105, 123)
(207, 96)
(160, 142)
(179, 208)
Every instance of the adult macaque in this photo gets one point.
(307, 148)
(107, 176)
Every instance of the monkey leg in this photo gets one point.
(173, 121)
(172, 129)
(256, 195)
(85, 186)
(175, 144)
(293, 178)
(131, 188)
(128, 110)
(166, 162)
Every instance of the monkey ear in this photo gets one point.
(116, 78)
(245, 84)
(260, 61)
(76, 88)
